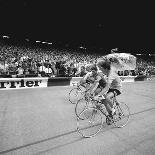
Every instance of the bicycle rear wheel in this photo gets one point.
(91, 124)
(75, 94)
(122, 115)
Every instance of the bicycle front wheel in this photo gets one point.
(122, 115)
(91, 124)
(81, 105)
(74, 95)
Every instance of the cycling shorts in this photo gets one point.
(115, 91)
(102, 84)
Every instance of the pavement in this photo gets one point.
(42, 121)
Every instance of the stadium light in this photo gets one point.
(38, 41)
(82, 47)
(27, 39)
(49, 43)
(5, 36)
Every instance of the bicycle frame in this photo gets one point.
(114, 100)
(96, 109)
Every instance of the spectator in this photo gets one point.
(20, 71)
(34, 60)
(82, 72)
(42, 69)
(49, 71)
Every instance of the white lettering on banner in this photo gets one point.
(73, 83)
(22, 83)
(75, 80)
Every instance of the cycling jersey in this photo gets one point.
(89, 77)
(99, 77)
(114, 80)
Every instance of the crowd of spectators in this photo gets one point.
(146, 67)
(20, 61)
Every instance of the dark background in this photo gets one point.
(97, 25)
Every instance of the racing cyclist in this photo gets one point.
(113, 85)
(93, 81)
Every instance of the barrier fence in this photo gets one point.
(39, 82)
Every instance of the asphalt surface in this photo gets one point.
(41, 121)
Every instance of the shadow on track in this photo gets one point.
(139, 112)
(37, 142)
(58, 136)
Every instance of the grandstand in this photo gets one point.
(43, 60)
(56, 39)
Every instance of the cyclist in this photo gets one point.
(113, 85)
(93, 80)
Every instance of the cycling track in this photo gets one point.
(41, 121)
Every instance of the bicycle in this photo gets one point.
(93, 117)
(77, 93)
(82, 104)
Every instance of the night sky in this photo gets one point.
(91, 24)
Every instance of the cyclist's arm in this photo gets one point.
(83, 80)
(108, 84)
(104, 90)
(96, 83)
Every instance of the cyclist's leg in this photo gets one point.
(107, 106)
(109, 97)
(108, 101)
(88, 85)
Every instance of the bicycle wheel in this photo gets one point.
(81, 105)
(122, 115)
(91, 124)
(75, 94)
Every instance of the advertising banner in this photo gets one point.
(18, 83)
(75, 80)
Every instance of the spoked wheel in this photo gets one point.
(122, 115)
(75, 94)
(91, 124)
(81, 105)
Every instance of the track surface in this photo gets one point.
(41, 121)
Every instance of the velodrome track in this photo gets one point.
(41, 121)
